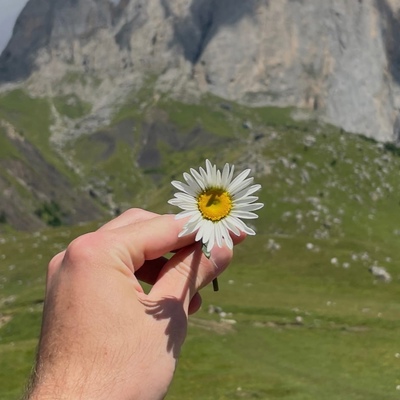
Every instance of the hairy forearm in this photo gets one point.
(64, 385)
(78, 377)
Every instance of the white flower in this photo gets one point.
(216, 204)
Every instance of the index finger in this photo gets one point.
(131, 216)
(128, 217)
(151, 239)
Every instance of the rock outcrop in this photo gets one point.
(339, 59)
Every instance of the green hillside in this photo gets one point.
(299, 316)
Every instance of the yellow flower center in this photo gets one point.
(214, 204)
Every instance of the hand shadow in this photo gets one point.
(172, 308)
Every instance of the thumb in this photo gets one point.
(189, 270)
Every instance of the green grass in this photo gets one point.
(31, 118)
(16, 360)
(206, 114)
(110, 168)
(7, 149)
(344, 348)
(306, 328)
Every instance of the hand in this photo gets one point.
(102, 336)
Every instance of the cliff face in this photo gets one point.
(337, 59)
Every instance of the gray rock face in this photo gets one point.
(339, 59)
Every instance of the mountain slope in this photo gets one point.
(298, 307)
(37, 186)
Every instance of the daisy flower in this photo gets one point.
(216, 203)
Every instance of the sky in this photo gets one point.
(9, 11)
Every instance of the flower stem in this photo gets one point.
(215, 285)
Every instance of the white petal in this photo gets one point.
(243, 214)
(190, 227)
(248, 207)
(219, 178)
(239, 183)
(200, 181)
(185, 231)
(180, 186)
(200, 234)
(231, 226)
(194, 186)
(211, 240)
(209, 167)
(225, 234)
(249, 231)
(211, 227)
(234, 222)
(174, 202)
(185, 214)
(230, 177)
(186, 197)
(204, 176)
(246, 192)
(228, 241)
(206, 231)
(197, 218)
(184, 205)
(193, 224)
(245, 200)
(211, 173)
(242, 176)
(225, 176)
(242, 226)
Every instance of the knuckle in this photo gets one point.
(132, 212)
(54, 264)
(55, 261)
(87, 247)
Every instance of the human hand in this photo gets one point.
(102, 336)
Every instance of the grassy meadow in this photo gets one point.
(299, 315)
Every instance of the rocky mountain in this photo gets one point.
(103, 101)
(338, 60)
